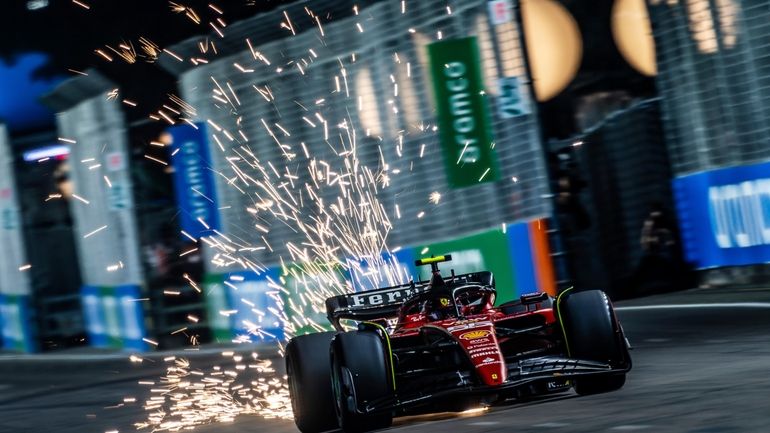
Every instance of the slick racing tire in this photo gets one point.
(360, 374)
(593, 333)
(310, 385)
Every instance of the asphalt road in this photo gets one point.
(704, 368)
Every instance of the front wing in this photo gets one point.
(520, 374)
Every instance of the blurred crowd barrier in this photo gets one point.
(260, 306)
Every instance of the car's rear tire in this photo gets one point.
(310, 386)
(593, 333)
(360, 374)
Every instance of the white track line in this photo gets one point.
(692, 306)
(263, 349)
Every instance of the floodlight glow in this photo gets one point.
(46, 152)
(34, 5)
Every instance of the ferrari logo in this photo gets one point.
(444, 302)
(474, 335)
(494, 376)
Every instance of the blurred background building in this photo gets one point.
(628, 138)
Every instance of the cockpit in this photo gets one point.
(449, 302)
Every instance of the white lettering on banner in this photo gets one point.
(131, 328)
(118, 196)
(740, 214)
(194, 175)
(12, 329)
(500, 12)
(460, 107)
(93, 318)
(112, 321)
(512, 101)
(116, 161)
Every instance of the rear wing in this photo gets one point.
(371, 304)
(385, 302)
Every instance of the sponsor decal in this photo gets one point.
(468, 324)
(467, 321)
(488, 360)
(483, 348)
(484, 353)
(475, 335)
(552, 385)
(383, 297)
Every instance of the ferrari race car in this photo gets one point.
(442, 345)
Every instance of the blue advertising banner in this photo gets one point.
(398, 269)
(724, 216)
(194, 180)
(255, 304)
(523, 262)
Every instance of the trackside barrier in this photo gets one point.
(132, 317)
(308, 315)
(114, 317)
(243, 303)
(93, 312)
(237, 303)
(519, 257)
(401, 268)
(15, 323)
(257, 304)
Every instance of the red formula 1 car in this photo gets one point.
(442, 345)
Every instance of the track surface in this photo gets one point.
(700, 369)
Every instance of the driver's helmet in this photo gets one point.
(439, 307)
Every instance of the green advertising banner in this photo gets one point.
(216, 302)
(111, 316)
(463, 118)
(307, 292)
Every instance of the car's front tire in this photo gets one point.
(593, 333)
(360, 375)
(310, 386)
